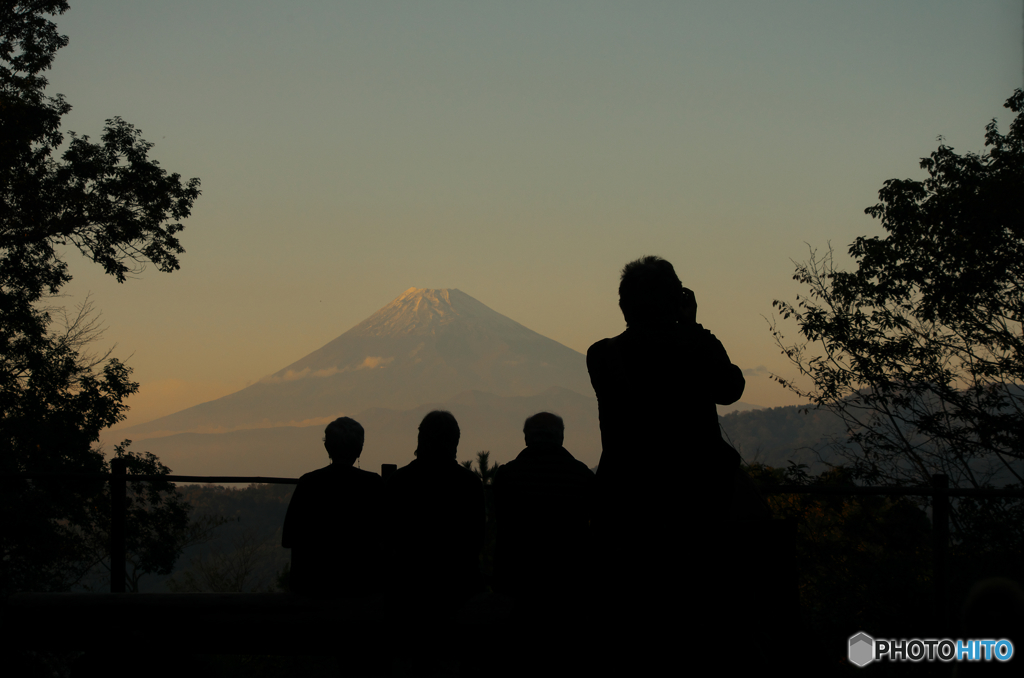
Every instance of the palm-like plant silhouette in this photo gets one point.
(485, 471)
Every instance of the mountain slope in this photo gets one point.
(425, 346)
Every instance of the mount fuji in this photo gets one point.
(427, 349)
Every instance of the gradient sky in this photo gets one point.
(519, 151)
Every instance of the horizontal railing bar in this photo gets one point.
(220, 479)
(156, 478)
(904, 491)
(775, 489)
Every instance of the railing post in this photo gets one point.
(940, 546)
(118, 508)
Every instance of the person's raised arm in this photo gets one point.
(724, 379)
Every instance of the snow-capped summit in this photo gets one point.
(425, 311)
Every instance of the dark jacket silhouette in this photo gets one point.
(665, 470)
(333, 527)
(543, 500)
(666, 478)
(657, 388)
(436, 530)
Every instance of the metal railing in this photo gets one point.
(119, 479)
(939, 492)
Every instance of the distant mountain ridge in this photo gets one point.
(773, 436)
(776, 436)
(488, 422)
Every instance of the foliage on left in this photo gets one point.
(120, 209)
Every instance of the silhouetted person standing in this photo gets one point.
(666, 477)
(436, 519)
(543, 500)
(657, 385)
(334, 521)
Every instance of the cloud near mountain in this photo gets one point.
(368, 363)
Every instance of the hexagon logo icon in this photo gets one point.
(862, 649)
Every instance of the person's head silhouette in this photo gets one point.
(438, 436)
(343, 440)
(544, 429)
(650, 293)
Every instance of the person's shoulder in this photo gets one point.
(583, 472)
(575, 463)
(534, 462)
(459, 478)
(510, 469)
(515, 462)
(574, 467)
(316, 476)
(366, 478)
(695, 332)
(601, 347)
(601, 354)
(402, 474)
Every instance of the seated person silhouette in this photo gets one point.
(333, 524)
(542, 503)
(435, 510)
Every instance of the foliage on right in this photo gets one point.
(919, 350)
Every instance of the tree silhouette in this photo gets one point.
(119, 209)
(920, 350)
(158, 527)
